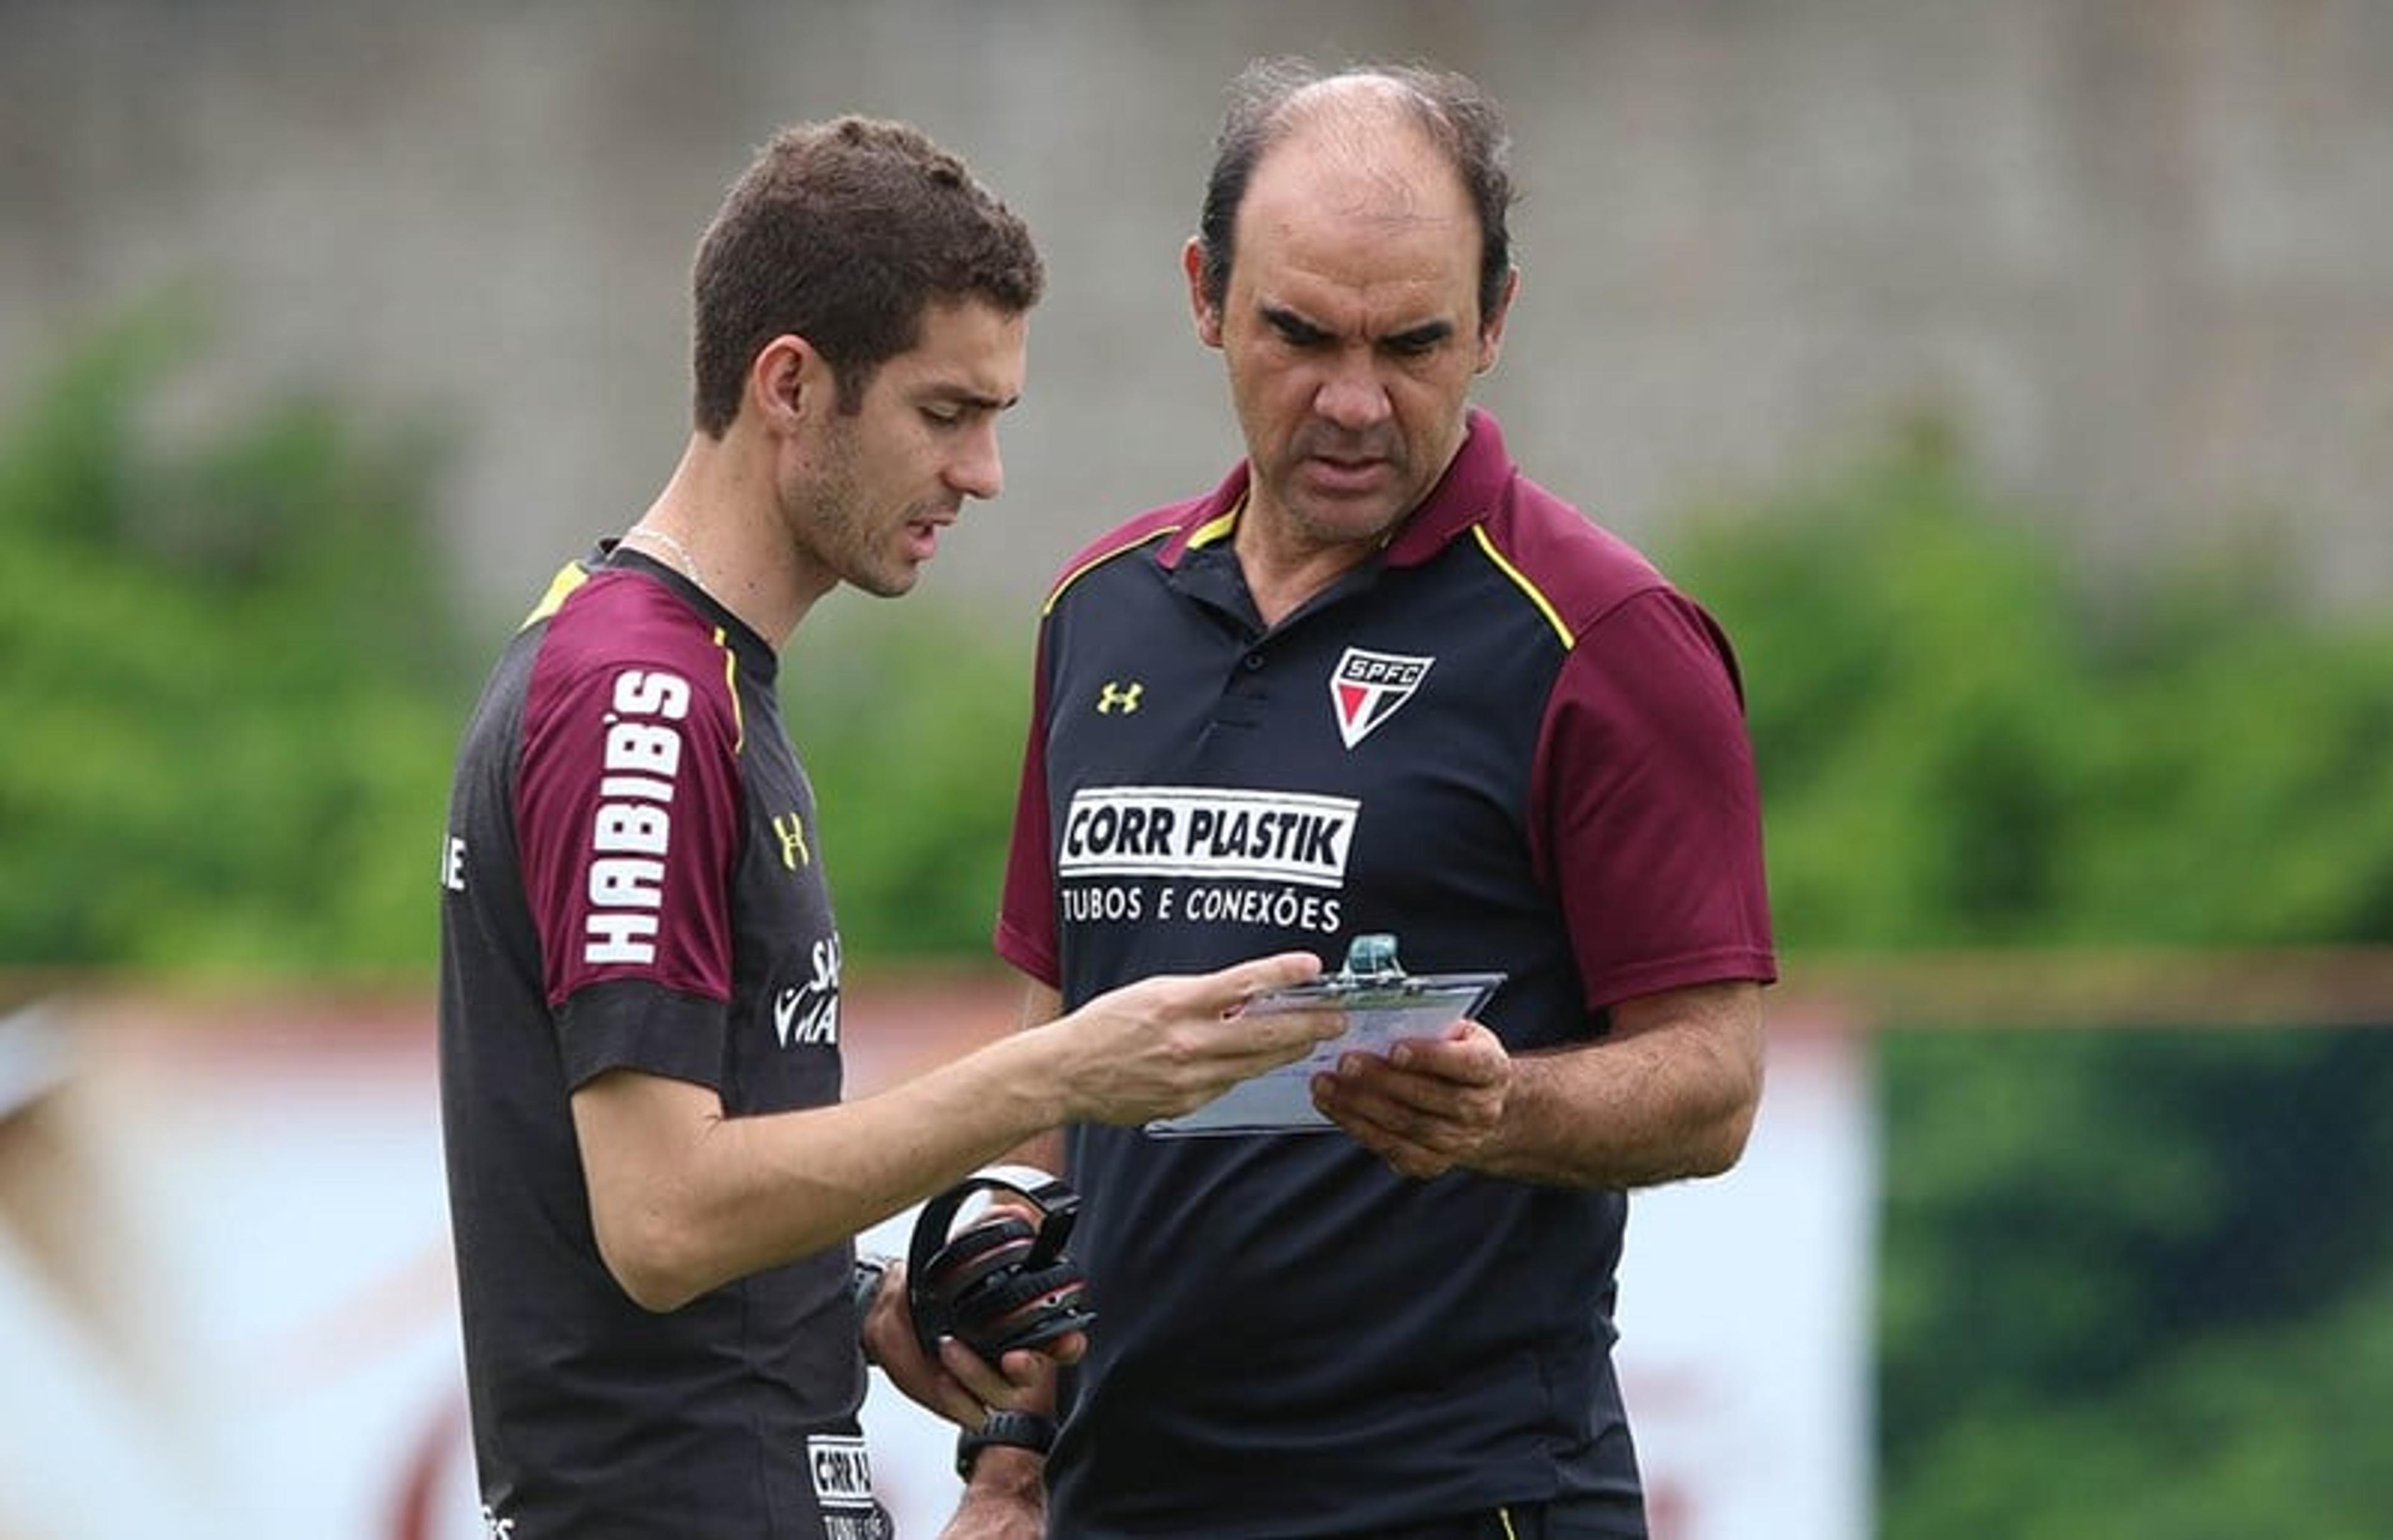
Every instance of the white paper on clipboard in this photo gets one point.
(1380, 1011)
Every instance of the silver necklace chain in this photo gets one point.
(672, 547)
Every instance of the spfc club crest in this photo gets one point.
(1367, 688)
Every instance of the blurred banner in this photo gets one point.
(227, 1306)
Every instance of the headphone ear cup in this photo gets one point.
(960, 1266)
(972, 1256)
(1023, 1310)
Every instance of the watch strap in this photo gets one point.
(1012, 1429)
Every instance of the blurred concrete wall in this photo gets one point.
(2140, 250)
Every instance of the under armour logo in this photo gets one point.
(792, 830)
(1117, 696)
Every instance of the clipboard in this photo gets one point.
(1384, 1004)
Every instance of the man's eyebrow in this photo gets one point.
(965, 395)
(1427, 334)
(1289, 324)
(1294, 327)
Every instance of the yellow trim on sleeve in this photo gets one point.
(1537, 597)
(569, 578)
(731, 682)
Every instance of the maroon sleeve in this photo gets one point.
(1646, 817)
(628, 801)
(1025, 920)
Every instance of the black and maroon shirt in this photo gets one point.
(632, 879)
(1504, 738)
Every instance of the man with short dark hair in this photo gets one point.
(653, 1182)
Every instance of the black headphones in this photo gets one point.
(1000, 1286)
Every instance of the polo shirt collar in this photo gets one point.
(1467, 492)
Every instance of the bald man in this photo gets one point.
(1378, 680)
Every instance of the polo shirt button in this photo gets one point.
(1254, 660)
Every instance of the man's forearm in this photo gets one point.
(1005, 1498)
(1670, 1094)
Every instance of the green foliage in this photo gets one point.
(2245, 1397)
(228, 681)
(1960, 746)
(910, 725)
(1912, 698)
(2100, 1244)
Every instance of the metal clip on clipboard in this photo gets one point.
(1383, 1005)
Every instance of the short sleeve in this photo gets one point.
(1647, 815)
(629, 807)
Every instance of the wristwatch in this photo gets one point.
(1014, 1430)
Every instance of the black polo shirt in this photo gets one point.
(632, 879)
(1506, 740)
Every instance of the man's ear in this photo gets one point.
(1491, 329)
(1207, 314)
(788, 382)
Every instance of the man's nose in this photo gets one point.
(1352, 396)
(979, 470)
